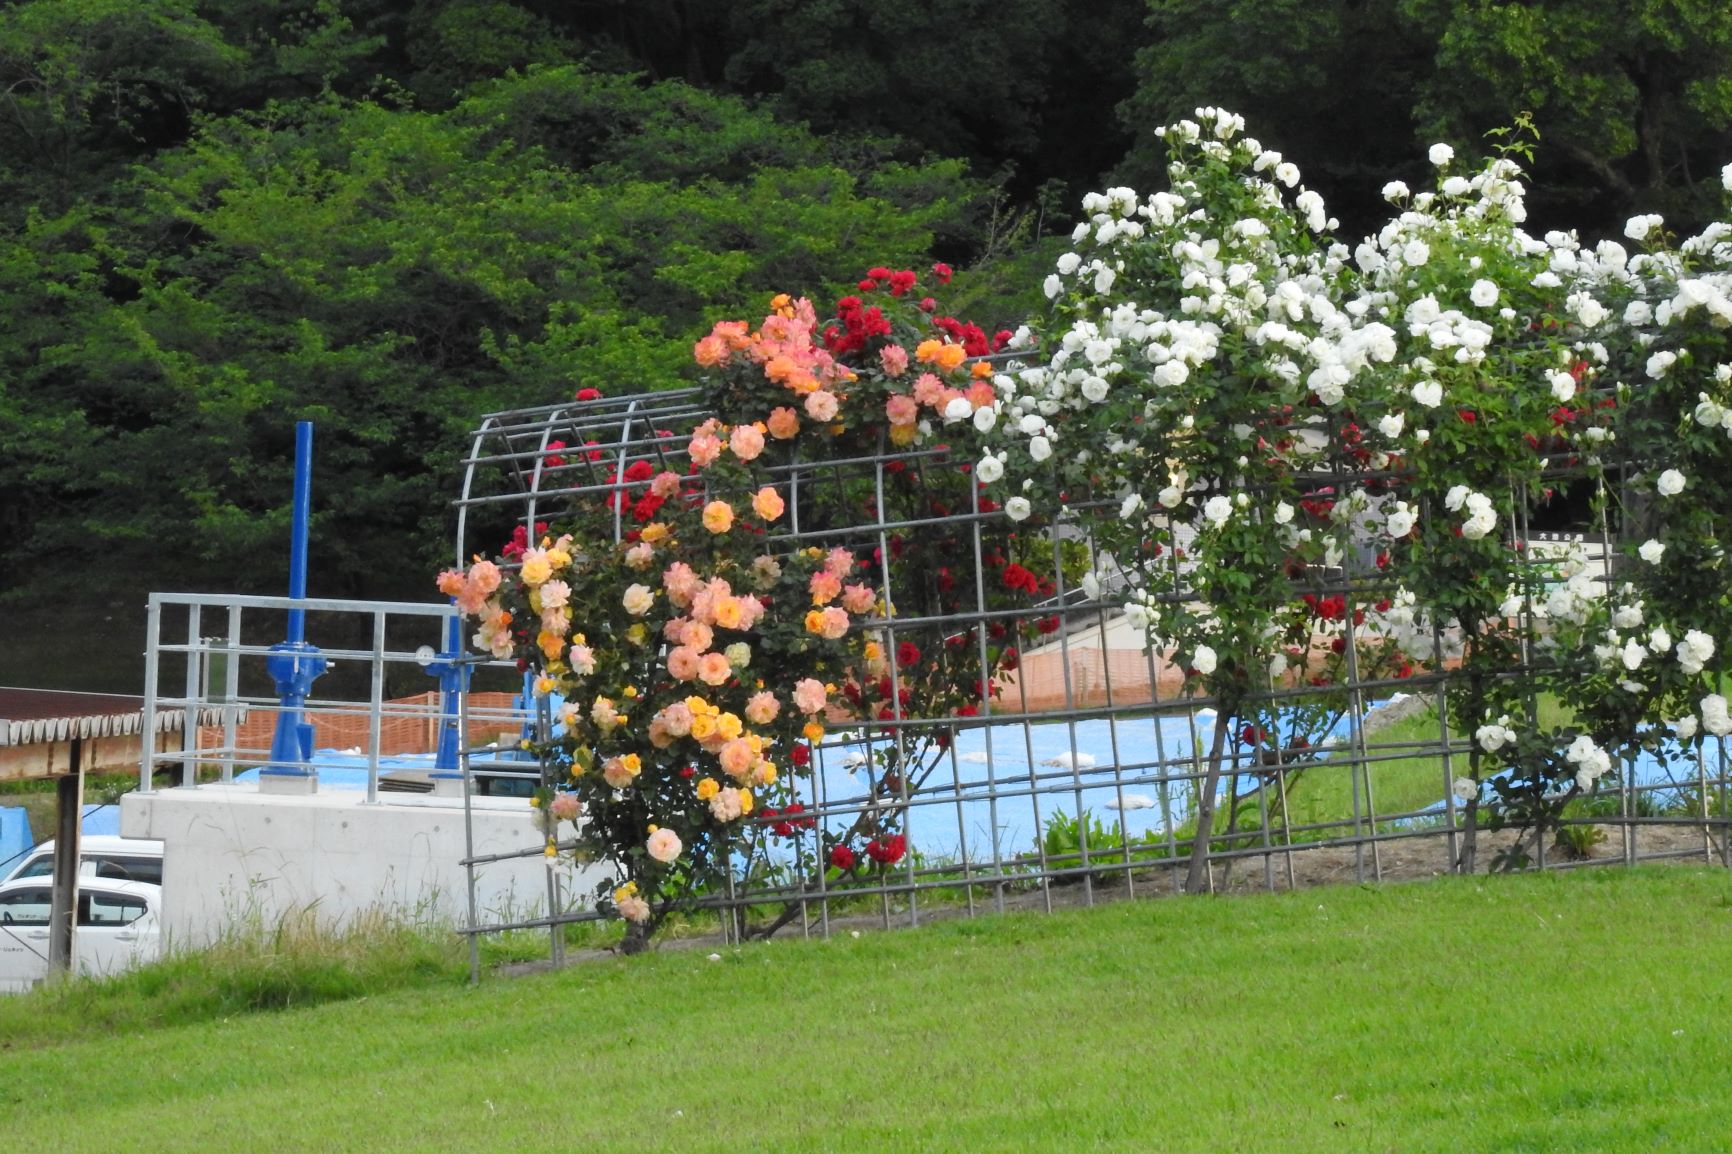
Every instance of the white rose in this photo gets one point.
(990, 469)
(1726, 178)
(1283, 512)
(1453, 499)
(1287, 173)
(1095, 389)
(1638, 227)
(959, 409)
(1390, 425)
(1685, 728)
(1039, 448)
(1428, 393)
(1129, 506)
(1203, 661)
(1400, 522)
(1395, 190)
(1670, 484)
(1651, 551)
(1464, 788)
(638, 599)
(1068, 263)
(1018, 508)
(1170, 496)
(1217, 509)
(1104, 279)
(1483, 294)
(985, 417)
(1053, 286)
(1441, 154)
(1563, 386)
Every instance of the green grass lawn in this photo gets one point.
(1581, 1012)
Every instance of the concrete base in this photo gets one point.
(444, 786)
(288, 784)
(237, 858)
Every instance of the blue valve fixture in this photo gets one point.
(293, 664)
(453, 675)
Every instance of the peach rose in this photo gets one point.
(859, 599)
(821, 405)
(825, 587)
(902, 409)
(677, 718)
(738, 757)
(768, 504)
(713, 669)
(718, 517)
(565, 807)
(683, 663)
(810, 695)
(664, 845)
(698, 636)
(681, 583)
(747, 442)
(762, 708)
(835, 623)
(666, 484)
(784, 423)
(711, 351)
(704, 450)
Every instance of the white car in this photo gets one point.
(119, 926)
(100, 856)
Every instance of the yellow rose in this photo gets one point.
(729, 726)
(815, 621)
(703, 727)
(653, 532)
(633, 763)
(745, 801)
(708, 788)
(558, 558)
(814, 731)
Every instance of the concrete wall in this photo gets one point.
(233, 855)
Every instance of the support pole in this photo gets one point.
(63, 903)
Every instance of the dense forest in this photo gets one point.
(217, 218)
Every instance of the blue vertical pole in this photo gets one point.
(293, 664)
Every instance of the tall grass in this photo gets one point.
(299, 960)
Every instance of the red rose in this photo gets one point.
(588, 394)
(842, 858)
(801, 754)
(887, 851)
(943, 272)
(907, 655)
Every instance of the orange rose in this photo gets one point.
(784, 423)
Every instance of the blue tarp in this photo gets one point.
(15, 839)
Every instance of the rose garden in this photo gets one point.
(1307, 472)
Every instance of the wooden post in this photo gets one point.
(63, 908)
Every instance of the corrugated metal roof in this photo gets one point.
(32, 716)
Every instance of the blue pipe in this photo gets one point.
(298, 531)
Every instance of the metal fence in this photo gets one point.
(1081, 778)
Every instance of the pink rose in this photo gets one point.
(698, 637)
(704, 450)
(565, 807)
(902, 409)
(666, 484)
(825, 586)
(840, 562)
(894, 358)
(681, 583)
(859, 599)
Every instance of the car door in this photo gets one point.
(116, 930)
(23, 937)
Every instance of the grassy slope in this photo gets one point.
(1581, 1012)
